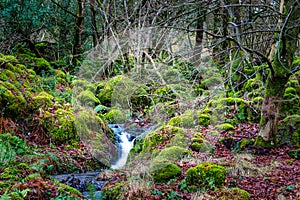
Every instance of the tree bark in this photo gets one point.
(286, 47)
(94, 22)
(77, 47)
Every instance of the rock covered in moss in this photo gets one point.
(198, 143)
(186, 120)
(174, 153)
(163, 170)
(88, 98)
(62, 128)
(40, 65)
(106, 91)
(170, 135)
(203, 119)
(235, 194)
(206, 173)
(115, 116)
(225, 127)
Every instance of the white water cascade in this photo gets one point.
(125, 143)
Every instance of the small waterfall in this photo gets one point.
(125, 143)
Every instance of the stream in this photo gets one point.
(87, 182)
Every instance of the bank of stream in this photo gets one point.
(87, 183)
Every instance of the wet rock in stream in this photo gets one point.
(86, 183)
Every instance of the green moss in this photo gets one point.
(164, 170)
(115, 116)
(186, 121)
(175, 135)
(40, 64)
(203, 119)
(211, 82)
(43, 99)
(260, 142)
(243, 143)
(200, 147)
(206, 174)
(62, 128)
(82, 85)
(87, 98)
(290, 93)
(105, 94)
(225, 127)
(163, 94)
(7, 59)
(235, 194)
(173, 153)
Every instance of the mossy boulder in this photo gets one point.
(206, 173)
(225, 127)
(61, 127)
(186, 120)
(12, 100)
(289, 130)
(235, 194)
(40, 65)
(162, 170)
(108, 91)
(82, 85)
(198, 143)
(115, 116)
(174, 153)
(88, 98)
(203, 119)
(169, 135)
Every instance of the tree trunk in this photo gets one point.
(286, 47)
(77, 50)
(275, 88)
(94, 22)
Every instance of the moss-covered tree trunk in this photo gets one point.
(281, 69)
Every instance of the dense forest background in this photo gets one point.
(215, 78)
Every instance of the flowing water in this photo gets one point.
(125, 144)
(125, 141)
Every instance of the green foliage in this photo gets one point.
(206, 174)
(294, 154)
(10, 147)
(105, 93)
